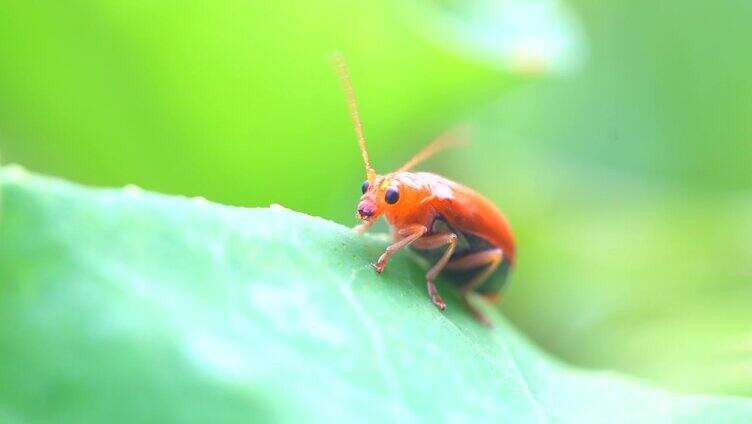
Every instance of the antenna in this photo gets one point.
(453, 138)
(346, 82)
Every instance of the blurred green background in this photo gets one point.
(617, 137)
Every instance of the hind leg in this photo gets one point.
(490, 259)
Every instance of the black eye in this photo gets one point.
(364, 187)
(392, 195)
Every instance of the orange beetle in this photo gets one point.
(457, 229)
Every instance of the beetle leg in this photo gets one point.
(363, 226)
(409, 235)
(435, 242)
(488, 258)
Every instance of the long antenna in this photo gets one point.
(452, 138)
(346, 82)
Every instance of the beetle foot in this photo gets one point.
(438, 301)
(380, 265)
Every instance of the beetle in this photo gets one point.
(455, 228)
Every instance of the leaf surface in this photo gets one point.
(124, 305)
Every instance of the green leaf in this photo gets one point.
(130, 306)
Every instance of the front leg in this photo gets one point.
(363, 226)
(409, 235)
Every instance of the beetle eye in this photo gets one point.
(364, 187)
(392, 195)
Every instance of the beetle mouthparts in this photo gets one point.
(365, 210)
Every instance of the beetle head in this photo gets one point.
(393, 195)
(371, 204)
(380, 195)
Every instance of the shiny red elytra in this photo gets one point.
(459, 231)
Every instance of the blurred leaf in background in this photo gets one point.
(624, 171)
(236, 101)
